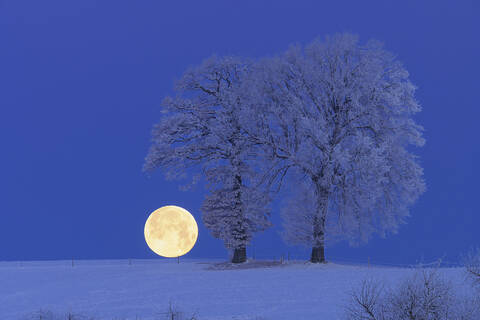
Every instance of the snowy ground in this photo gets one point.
(118, 290)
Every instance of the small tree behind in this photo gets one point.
(235, 209)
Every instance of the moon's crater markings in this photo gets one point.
(171, 231)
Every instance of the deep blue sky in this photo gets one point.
(81, 84)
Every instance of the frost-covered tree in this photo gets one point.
(339, 113)
(235, 209)
(202, 126)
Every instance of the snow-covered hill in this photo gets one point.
(143, 289)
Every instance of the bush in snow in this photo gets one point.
(424, 296)
(472, 266)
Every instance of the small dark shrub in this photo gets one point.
(423, 296)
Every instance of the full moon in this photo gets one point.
(171, 231)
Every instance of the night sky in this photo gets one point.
(81, 84)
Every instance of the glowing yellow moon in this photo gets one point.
(171, 231)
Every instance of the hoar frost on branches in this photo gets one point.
(339, 114)
(203, 126)
(334, 118)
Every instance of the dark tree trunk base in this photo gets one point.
(318, 255)
(239, 255)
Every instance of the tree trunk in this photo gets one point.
(318, 255)
(239, 255)
(239, 231)
(318, 249)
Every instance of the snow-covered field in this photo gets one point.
(143, 289)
